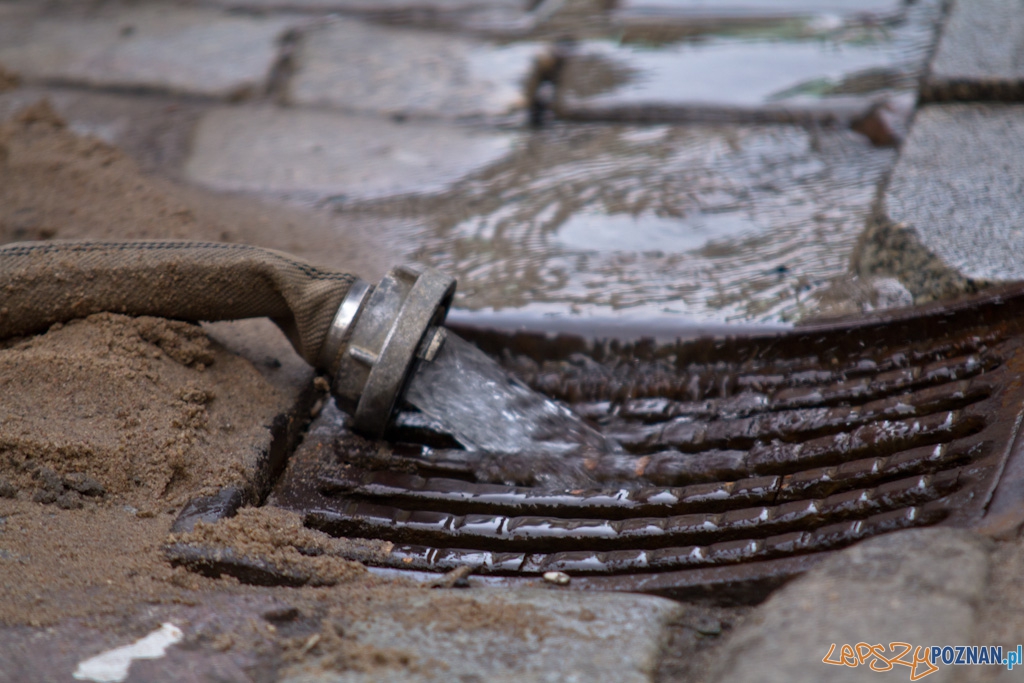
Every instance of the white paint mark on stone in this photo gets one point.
(557, 578)
(112, 666)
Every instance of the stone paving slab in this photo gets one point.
(503, 19)
(958, 187)
(163, 48)
(920, 587)
(815, 68)
(372, 6)
(53, 653)
(980, 54)
(360, 67)
(314, 154)
(544, 636)
(392, 634)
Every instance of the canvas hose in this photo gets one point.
(49, 282)
(368, 339)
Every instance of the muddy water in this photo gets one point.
(711, 223)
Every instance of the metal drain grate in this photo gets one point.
(746, 458)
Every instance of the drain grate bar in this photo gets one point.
(800, 389)
(428, 558)
(411, 491)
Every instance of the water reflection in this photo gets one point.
(590, 230)
(681, 61)
(711, 222)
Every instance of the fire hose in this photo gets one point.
(366, 338)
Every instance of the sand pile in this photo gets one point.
(148, 409)
(54, 183)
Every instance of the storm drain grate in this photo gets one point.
(745, 458)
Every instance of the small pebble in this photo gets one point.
(44, 496)
(456, 578)
(7, 489)
(557, 578)
(49, 479)
(280, 614)
(69, 500)
(708, 626)
(317, 407)
(84, 484)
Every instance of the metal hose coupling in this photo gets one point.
(377, 337)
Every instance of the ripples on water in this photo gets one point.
(712, 222)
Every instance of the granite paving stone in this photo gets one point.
(920, 587)
(361, 67)
(164, 48)
(502, 19)
(372, 6)
(548, 637)
(958, 188)
(980, 54)
(313, 154)
(818, 66)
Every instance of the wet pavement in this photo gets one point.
(640, 162)
(732, 221)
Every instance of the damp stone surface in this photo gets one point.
(355, 66)
(197, 52)
(979, 55)
(553, 637)
(702, 222)
(921, 587)
(957, 188)
(318, 154)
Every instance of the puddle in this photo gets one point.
(710, 223)
(685, 57)
(682, 9)
(647, 233)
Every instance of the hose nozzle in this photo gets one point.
(377, 337)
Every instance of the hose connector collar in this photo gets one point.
(399, 321)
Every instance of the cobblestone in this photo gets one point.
(353, 66)
(920, 587)
(313, 155)
(979, 55)
(557, 637)
(190, 51)
(957, 188)
(375, 7)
